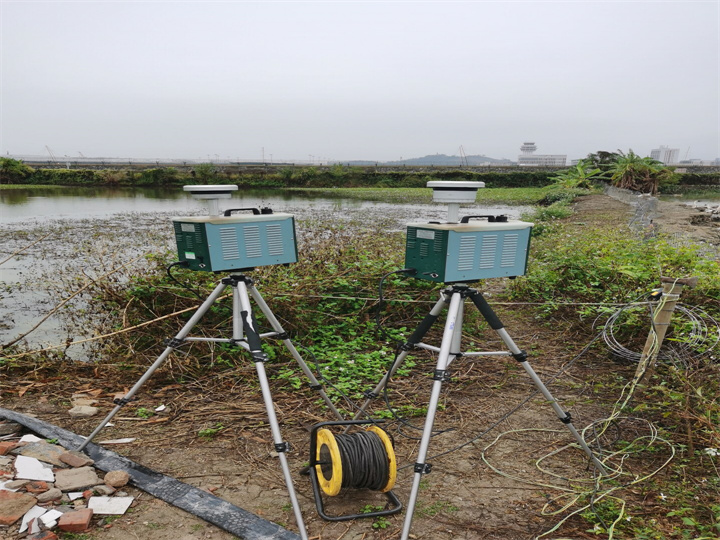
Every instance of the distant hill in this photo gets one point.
(443, 160)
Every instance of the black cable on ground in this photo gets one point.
(364, 461)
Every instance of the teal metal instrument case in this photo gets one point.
(463, 252)
(236, 242)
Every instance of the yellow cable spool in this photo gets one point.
(326, 440)
(392, 462)
(330, 469)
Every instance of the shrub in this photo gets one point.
(13, 171)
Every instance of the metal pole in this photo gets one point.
(259, 358)
(561, 414)
(314, 383)
(173, 343)
(414, 339)
(521, 356)
(443, 358)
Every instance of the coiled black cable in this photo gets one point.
(364, 460)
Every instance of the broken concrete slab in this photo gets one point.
(103, 489)
(110, 505)
(44, 451)
(76, 459)
(29, 468)
(4, 484)
(14, 485)
(118, 441)
(14, 505)
(52, 494)
(83, 411)
(76, 479)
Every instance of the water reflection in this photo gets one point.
(85, 202)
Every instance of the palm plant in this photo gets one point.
(580, 176)
(643, 174)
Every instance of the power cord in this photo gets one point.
(183, 285)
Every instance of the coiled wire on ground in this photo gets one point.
(702, 335)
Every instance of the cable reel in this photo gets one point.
(362, 460)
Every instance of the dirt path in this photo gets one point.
(463, 498)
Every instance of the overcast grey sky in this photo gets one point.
(358, 80)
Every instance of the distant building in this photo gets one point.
(666, 155)
(528, 158)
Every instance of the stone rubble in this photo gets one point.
(45, 487)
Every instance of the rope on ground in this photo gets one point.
(603, 487)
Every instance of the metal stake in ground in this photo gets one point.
(672, 288)
(245, 336)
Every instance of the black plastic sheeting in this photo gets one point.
(200, 503)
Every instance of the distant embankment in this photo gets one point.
(287, 175)
(260, 167)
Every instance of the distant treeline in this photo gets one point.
(17, 172)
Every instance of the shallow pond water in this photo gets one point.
(85, 237)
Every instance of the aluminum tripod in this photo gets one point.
(449, 350)
(246, 336)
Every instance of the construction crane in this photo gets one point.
(463, 157)
(52, 156)
(81, 154)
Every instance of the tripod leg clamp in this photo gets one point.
(422, 468)
(521, 356)
(567, 419)
(259, 356)
(282, 447)
(123, 401)
(174, 342)
(441, 375)
(370, 394)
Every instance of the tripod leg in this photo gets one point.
(161, 359)
(314, 383)
(416, 337)
(281, 447)
(449, 337)
(521, 356)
